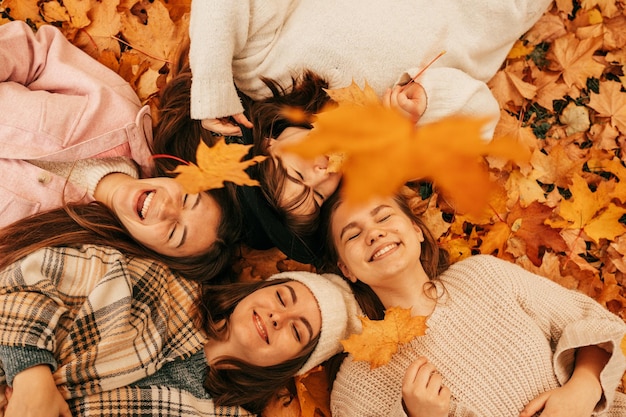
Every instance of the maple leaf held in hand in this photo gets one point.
(380, 338)
(217, 164)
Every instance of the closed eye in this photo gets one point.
(172, 233)
(354, 236)
(296, 333)
(280, 299)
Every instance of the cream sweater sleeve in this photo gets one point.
(572, 320)
(218, 30)
(450, 92)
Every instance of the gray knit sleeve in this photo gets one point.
(16, 359)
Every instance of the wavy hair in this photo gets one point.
(94, 223)
(232, 382)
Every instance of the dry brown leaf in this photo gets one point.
(314, 393)
(574, 58)
(611, 102)
(379, 339)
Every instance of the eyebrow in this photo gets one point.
(184, 238)
(294, 299)
(373, 213)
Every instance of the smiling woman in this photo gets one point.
(537, 347)
(75, 145)
(140, 353)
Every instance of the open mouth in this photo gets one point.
(260, 327)
(382, 251)
(143, 204)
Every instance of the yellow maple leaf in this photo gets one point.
(353, 94)
(222, 162)
(379, 339)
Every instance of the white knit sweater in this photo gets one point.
(371, 40)
(499, 337)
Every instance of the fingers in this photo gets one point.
(424, 375)
(242, 120)
(535, 405)
(221, 126)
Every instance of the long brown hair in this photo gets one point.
(434, 259)
(231, 381)
(270, 117)
(177, 134)
(76, 224)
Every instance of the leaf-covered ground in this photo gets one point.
(561, 92)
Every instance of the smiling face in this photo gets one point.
(159, 214)
(271, 325)
(375, 241)
(310, 177)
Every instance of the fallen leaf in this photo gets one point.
(379, 339)
(219, 163)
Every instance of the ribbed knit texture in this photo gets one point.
(89, 172)
(499, 336)
(369, 40)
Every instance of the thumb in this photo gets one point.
(535, 405)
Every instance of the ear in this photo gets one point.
(420, 234)
(346, 272)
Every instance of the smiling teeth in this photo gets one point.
(260, 327)
(146, 205)
(383, 251)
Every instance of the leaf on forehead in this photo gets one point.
(380, 339)
(219, 163)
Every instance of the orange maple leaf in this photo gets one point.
(611, 102)
(575, 59)
(374, 139)
(380, 338)
(222, 162)
(313, 393)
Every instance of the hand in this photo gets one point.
(225, 127)
(35, 394)
(410, 99)
(571, 400)
(422, 391)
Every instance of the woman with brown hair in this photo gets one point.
(94, 332)
(500, 341)
(74, 133)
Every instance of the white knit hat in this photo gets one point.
(339, 310)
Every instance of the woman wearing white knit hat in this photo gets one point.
(152, 342)
(501, 341)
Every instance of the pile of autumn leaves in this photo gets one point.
(556, 204)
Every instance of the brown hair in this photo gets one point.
(177, 134)
(94, 223)
(307, 96)
(232, 382)
(434, 259)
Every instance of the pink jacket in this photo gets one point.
(59, 104)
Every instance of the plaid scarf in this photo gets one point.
(109, 321)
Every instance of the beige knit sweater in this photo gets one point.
(499, 336)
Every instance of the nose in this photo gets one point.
(168, 210)
(277, 320)
(374, 234)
